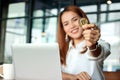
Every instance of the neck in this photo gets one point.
(76, 41)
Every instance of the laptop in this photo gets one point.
(36, 61)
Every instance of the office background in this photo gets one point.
(35, 21)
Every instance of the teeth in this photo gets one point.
(74, 31)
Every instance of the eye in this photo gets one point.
(65, 24)
(75, 19)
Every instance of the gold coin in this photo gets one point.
(83, 21)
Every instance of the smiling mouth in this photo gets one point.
(74, 30)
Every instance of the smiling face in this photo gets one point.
(70, 21)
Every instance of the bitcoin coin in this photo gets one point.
(83, 21)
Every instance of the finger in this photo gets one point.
(79, 77)
(89, 42)
(95, 36)
(90, 38)
(85, 76)
(89, 26)
(95, 32)
(89, 31)
(91, 35)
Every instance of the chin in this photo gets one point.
(76, 37)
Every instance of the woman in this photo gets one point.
(72, 37)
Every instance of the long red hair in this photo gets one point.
(63, 45)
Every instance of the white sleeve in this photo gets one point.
(105, 51)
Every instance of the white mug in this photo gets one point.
(8, 71)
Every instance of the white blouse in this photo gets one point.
(76, 62)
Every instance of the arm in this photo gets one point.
(83, 76)
(66, 76)
(95, 50)
(92, 34)
(96, 46)
(80, 76)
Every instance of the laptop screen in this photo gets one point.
(37, 61)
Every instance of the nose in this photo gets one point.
(72, 25)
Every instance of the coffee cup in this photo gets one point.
(8, 71)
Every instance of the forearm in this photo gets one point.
(66, 76)
(95, 50)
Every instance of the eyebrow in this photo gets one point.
(75, 17)
(71, 18)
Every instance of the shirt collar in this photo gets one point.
(70, 44)
(78, 46)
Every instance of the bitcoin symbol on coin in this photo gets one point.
(83, 21)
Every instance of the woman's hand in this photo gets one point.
(91, 34)
(83, 76)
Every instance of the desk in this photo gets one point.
(112, 75)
